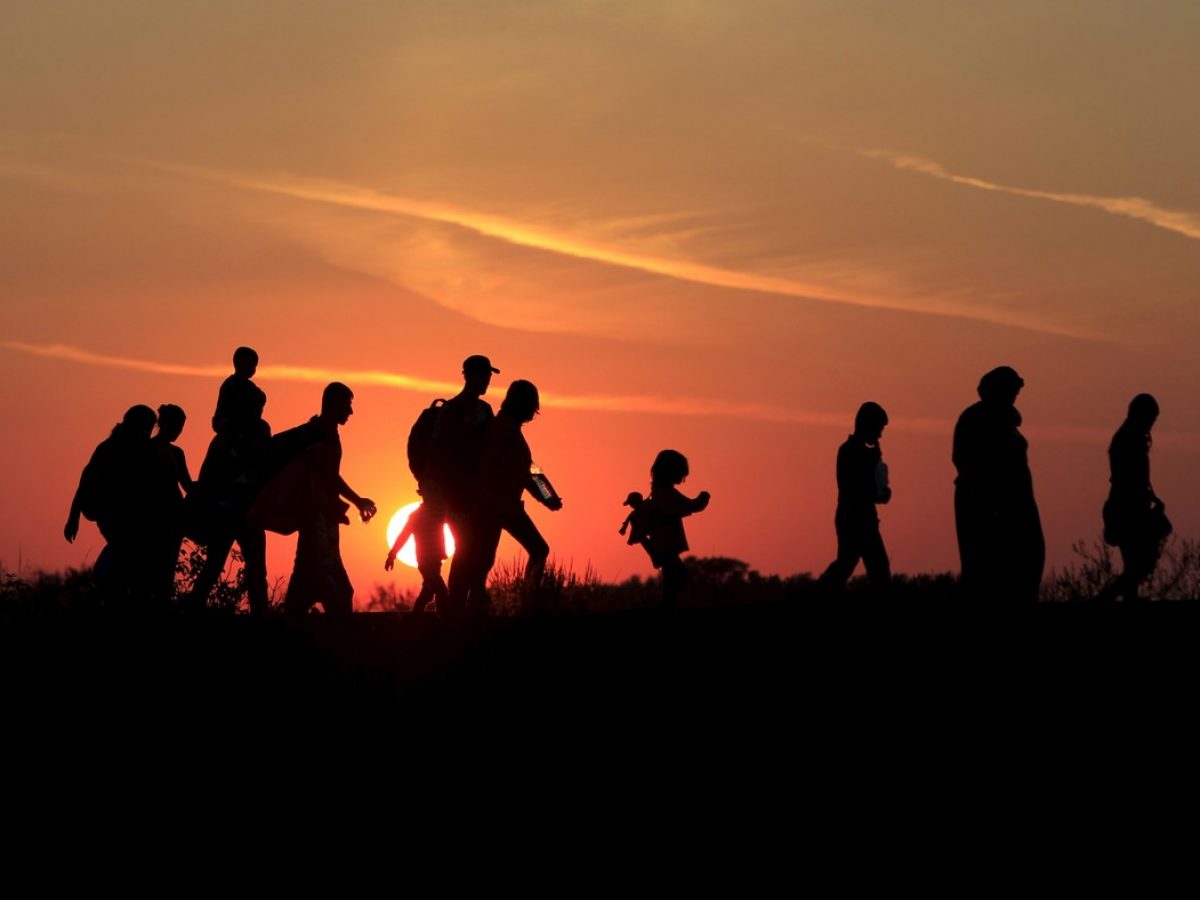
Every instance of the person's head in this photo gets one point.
(245, 362)
(870, 421)
(337, 402)
(522, 401)
(477, 374)
(1001, 385)
(137, 423)
(670, 467)
(170, 421)
(1143, 411)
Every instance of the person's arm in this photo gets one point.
(553, 503)
(401, 539)
(71, 531)
(676, 503)
(181, 470)
(366, 507)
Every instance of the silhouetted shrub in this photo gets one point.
(1176, 578)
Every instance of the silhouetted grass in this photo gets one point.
(714, 583)
(1176, 578)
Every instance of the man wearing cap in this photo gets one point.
(453, 480)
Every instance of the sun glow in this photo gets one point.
(408, 553)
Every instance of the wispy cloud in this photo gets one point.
(41, 175)
(375, 378)
(1178, 221)
(601, 403)
(538, 237)
(607, 403)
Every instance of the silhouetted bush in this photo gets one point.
(1176, 578)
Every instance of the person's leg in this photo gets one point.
(423, 598)
(432, 585)
(461, 565)
(253, 544)
(875, 559)
(971, 530)
(1137, 564)
(674, 579)
(215, 555)
(111, 578)
(339, 603)
(1140, 559)
(850, 549)
(301, 591)
(162, 566)
(526, 533)
(1118, 587)
(486, 530)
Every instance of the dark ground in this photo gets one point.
(760, 672)
(796, 729)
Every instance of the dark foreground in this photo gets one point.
(755, 672)
(770, 722)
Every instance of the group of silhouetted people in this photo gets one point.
(1001, 547)
(133, 488)
(473, 468)
(138, 491)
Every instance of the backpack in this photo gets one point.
(420, 439)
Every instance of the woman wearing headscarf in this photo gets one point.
(1000, 541)
(1135, 520)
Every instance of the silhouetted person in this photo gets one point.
(229, 479)
(319, 575)
(1000, 540)
(452, 475)
(426, 527)
(656, 522)
(504, 476)
(240, 402)
(862, 483)
(172, 482)
(1135, 520)
(116, 491)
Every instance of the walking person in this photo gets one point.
(172, 482)
(1135, 519)
(1000, 541)
(451, 476)
(505, 475)
(862, 485)
(425, 527)
(656, 522)
(230, 477)
(116, 491)
(319, 574)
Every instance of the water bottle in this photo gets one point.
(544, 488)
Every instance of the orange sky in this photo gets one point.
(711, 226)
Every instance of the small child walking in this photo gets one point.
(425, 526)
(656, 522)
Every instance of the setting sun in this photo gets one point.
(408, 553)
